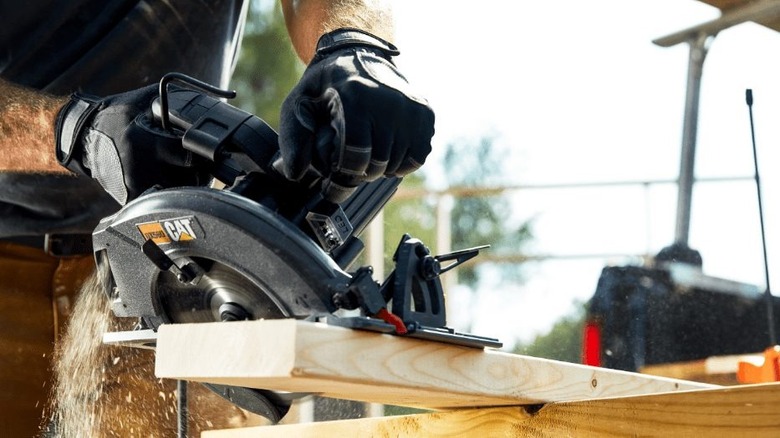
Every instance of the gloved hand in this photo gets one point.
(353, 117)
(115, 141)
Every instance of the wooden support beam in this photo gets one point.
(765, 11)
(746, 411)
(297, 356)
(719, 370)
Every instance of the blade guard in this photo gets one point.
(216, 225)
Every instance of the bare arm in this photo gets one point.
(27, 130)
(308, 19)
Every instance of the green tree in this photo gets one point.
(563, 341)
(475, 220)
(411, 215)
(480, 220)
(267, 67)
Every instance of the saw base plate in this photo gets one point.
(437, 334)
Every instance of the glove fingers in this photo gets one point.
(353, 156)
(419, 143)
(343, 148)
(336, 191)
(296, 139)
(330, 131)
(336, 158)
(383, 144)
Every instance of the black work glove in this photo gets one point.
(115, 141)
(353, 117)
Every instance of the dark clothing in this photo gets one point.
(101, 47)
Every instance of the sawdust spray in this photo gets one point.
(107, 391)
(80, 364)
(101, 390)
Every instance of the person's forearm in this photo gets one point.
(308, 19)
(27, 130)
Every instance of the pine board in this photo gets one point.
(298, 356)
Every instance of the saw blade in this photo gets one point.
(220, 294)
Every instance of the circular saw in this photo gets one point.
(259, 246)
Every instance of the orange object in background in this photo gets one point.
(769, 371)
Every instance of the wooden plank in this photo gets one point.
(719, 370)
(726, 6)
(762, 12)
(741, 411)
(297, 356)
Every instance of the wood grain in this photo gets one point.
(741, 411)
(297, 356)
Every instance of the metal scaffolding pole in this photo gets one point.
(698, 52)
(699, 38)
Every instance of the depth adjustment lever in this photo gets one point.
(414, 287)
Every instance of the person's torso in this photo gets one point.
(101, 47)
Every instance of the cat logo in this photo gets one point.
(180, 229)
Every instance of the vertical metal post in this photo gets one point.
(375, 245)
(375, 248)
(698, 38)
(698, 51)
(444, 240)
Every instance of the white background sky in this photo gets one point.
(579, 93)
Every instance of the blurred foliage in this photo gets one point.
(475, 220)
(415, 216)
(267, 67)
(482, 220)
(563, 341)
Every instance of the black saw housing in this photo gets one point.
(260, 246)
